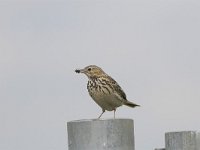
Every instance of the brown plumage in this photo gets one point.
(104, 90)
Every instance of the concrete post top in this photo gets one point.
(181, 132)
(101, 134)
(99, 120)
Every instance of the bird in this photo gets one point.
(104, 90)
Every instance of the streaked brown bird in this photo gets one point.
(104, 90)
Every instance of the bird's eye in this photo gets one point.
(89, 69)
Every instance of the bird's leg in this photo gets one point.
(114, 112)
(101, 113)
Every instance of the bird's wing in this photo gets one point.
(117, 88)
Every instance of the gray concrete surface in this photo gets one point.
(186, 140)
(109, 134)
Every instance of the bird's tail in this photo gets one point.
(130, 104)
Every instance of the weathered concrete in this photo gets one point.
(186, 140)
(160, 149)
(110, 134)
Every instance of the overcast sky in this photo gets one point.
(150, 47)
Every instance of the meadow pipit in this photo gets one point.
(104, 90)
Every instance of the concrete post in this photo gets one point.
(186, 140)
(109, 134)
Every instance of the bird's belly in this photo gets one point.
(106, 101)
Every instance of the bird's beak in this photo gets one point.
(80, 70)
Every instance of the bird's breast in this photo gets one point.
(98, 88)
(103, 95)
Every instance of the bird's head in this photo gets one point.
(91, 71)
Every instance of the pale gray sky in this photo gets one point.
(152, 48)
